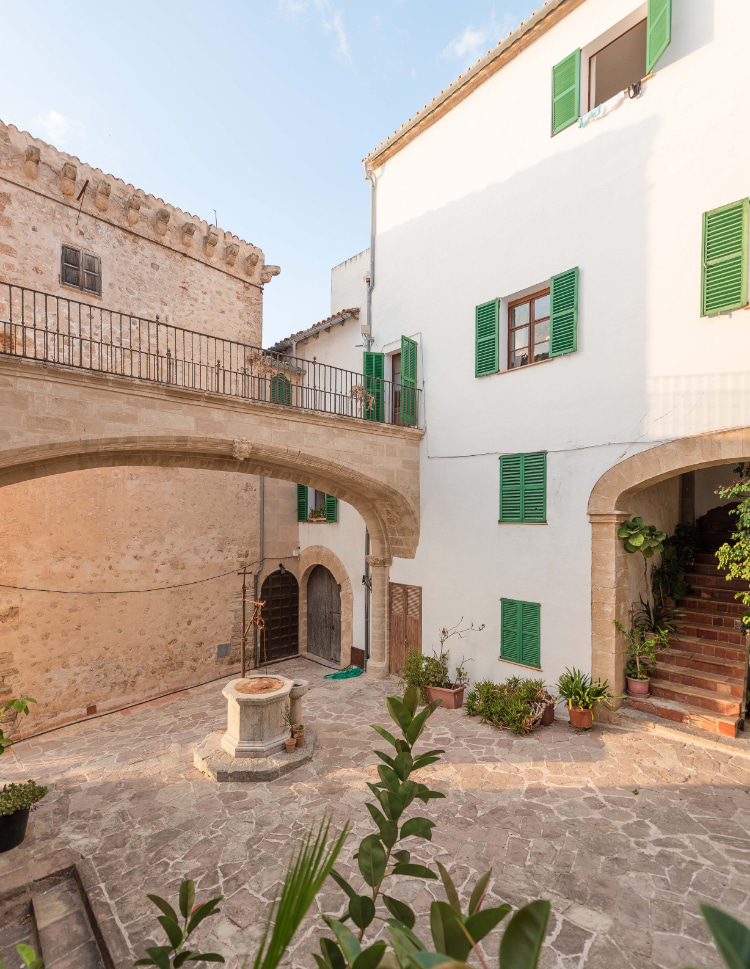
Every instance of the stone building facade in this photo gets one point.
(97, 539)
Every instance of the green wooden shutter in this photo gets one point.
(374, 370)
(332, 508)
(281, 390)
(408, 381)
(658, 31)
(724, 268)
(530, 633)
(511, 487)
(534, 487)
(510, 620)
(301, 503)
(523, 487)
(487, 318)
(563, 323)
(566, 79)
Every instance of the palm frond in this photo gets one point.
(308, 869)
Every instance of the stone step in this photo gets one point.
(707, 647)
(706, 558)
(704, 568)
(685, 713)
(684, 659)
(713, 600)
(718, 628)
(66, 938)
(726, 687)
(717, 580)
(706, 700)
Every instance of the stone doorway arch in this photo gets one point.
(310, 558)
(609, 506)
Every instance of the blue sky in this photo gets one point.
(261, 111)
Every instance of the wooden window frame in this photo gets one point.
(531, 325)
(82, 253)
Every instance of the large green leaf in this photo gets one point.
(477, 895)
(481, 923)
(371, 957)
(164, 906)
(386, 736)
(399, 714)
(411, 699)
(732, 938)
(405, 943)
(377, 817)
(419, 828)
(403, 765)
(389, 777)
(450, 889)
(385, 758)
(407, 792)
(371, 861)
(342, 883)
(403, 856)
(201, 912)
(415, 871)
(429, 960)
(522, 941)
(417, 725)
(448, 933)
(361, 910)
(332, 954)
(399, 910)
(389, 833)
(174, 932)
(187, 897)
(346, 939)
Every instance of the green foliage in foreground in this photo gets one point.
(734, 556)
(18, 797)
(18, 706)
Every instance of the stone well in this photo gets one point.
(252, 747)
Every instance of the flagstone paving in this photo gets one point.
(623, 831)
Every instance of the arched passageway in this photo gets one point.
(610, 504)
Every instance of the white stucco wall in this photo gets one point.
(486, 204)
(349, 283)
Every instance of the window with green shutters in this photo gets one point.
(563, 322)
(566, 84)
(658, 31)
(724, 264)
(408, 381)
(487, 319)
(373, 366)
(523, 487)
(520, 632)
(281, 390)
(301, 503)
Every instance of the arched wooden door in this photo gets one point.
(323, 615)
(280, 592)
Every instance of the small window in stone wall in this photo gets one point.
(81, 270)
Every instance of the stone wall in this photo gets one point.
(108, 530)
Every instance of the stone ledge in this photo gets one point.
(210, 759)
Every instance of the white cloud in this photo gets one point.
(474, 42)
(52, 127)
(331, 20)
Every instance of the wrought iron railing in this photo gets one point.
(63, 331)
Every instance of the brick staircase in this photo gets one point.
(701, 679)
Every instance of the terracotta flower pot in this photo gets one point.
(299, 736)
(290, 744)
(548, 717)
(13, 829)
(581, 719)
(638, 687)
(452, 698)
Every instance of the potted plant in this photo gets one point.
(582, 695)
(290, 743)
(16, 801)
(298, 732)
(643, 645)
(317, 515)
(429, 674)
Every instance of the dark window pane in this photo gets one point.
(520, 338)
(519, 358)
(71, 257)
(91, 283)
(90, 263)
(71, 276)
(541, 331)
(541, 351)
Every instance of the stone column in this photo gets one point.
(377, 665)
(609, 593)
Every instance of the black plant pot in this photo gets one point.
(13, 829)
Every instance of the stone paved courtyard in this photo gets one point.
(623, 831)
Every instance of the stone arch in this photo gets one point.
(390, 517)
(319, 555)
(609, 505)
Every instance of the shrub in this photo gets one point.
(18, 797)
(515, 705)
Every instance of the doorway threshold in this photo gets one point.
(630, 719)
